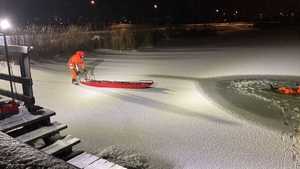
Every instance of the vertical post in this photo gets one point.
(8, 66)
(25, 73)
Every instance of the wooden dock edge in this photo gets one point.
(26, 136)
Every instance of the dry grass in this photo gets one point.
(53, 40)
(50, 40)
(126, 36)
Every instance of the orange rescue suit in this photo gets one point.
(75, 64)
(289, 91)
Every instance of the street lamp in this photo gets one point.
(4, 26)
(93, 2)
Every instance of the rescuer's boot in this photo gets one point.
(75, 82)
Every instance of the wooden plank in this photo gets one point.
(24, 118)
(109, 164)
(61, 145)
(117, 167)
(20, 97)
(4, 99)
(100, 164)
(83, 160)
(26, 72)
(16, 50)
(73, 154)
(41, 132)
(22, 80)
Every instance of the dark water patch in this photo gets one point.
(251, 97)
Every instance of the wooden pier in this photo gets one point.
(38, 131)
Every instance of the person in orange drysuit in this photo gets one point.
(76, 65)
(289, 91)
(286, 90)
(298, 90)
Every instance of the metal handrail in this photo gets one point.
(8, 65)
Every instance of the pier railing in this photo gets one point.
(22, 56)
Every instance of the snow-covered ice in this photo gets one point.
(178, 124)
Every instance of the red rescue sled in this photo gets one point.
(143, 84)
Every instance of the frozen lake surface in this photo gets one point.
(178, 124)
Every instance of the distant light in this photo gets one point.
(155, 6)
(93, 2)
(236, 12)
(261, 16)
(5, 24)
(293, 14)
(217, 10)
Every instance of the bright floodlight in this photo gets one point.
(93, 2)
(5, 24)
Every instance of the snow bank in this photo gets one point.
(16, 155)
(125, 157)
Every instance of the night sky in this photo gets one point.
(27, 10)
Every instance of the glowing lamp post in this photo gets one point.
(156, 11)
(93, 2)
(4, 26)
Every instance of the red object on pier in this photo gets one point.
(9, 107)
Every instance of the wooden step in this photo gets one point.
(73, 154)
(25, 118)
(61, 145)
(41, 132)
(83, 160)
(103, 164)
(117, 167)
(89, 161)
